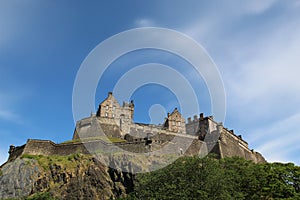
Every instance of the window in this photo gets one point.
(114, 108)
(113, 115)
(106, 114)
(179, 123)
(106, 107)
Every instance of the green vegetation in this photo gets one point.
(197, 178)
(71, 141)
(107, 139)
(210, 178)
(66, 161)
(37, 196)
(114, 140)
(41, 196)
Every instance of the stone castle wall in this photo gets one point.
(223, 148)
(48, 148)
(196, 137)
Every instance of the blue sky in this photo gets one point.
(255, 45)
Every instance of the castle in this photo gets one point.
(116, 122)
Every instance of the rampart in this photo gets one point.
(48, 148)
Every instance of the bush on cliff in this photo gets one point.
(41, 196)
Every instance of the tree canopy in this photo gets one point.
(211, 178)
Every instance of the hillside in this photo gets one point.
(63, 177)
(82, 177)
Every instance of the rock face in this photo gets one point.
(18, 178)
(64, 177)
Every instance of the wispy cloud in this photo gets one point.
(279, 140)
(144, 22)
(209, 24)
(257, 6)
(260, 69)
(9, 116)
(8, 102)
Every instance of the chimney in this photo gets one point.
(109, 94)
(201, 116)
(189, 120)
(11, 149)
(195, 117)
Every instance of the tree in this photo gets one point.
(211, 178)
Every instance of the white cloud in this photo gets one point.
(224, 15)
(258, 6)
(144, 22)
(7, 102)
(266, 75)
(8, 115)
(274, 60)
(260, 65)
(279, 140)
(266, 86)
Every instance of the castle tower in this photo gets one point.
(109, 108)
(175, 122)
(121, 115)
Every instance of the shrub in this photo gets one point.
(41, 196)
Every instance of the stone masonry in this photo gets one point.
(112, 120)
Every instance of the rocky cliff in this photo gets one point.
(63, 177)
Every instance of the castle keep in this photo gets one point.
(116, 123)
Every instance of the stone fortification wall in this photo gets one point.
(47, 147)
(96, 127)
(225, 147)
(197, 148)
(229, 146)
